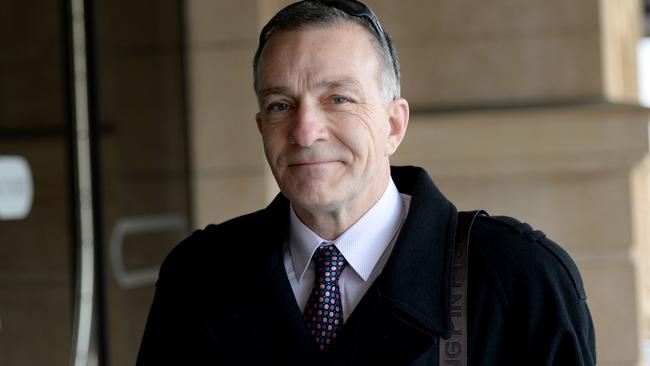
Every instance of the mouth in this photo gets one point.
(311, 163)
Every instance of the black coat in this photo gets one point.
(223, 297)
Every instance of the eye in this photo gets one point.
(340, 100)
(278, 107)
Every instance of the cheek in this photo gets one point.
(275, 146)
(374, 140)
(381, 139)
(271, 145)
(361, 140)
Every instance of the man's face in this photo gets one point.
(327, 132)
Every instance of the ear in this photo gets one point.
(258, 120)
(398, 119)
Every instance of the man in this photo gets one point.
(351, 263)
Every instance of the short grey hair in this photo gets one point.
(313, 13)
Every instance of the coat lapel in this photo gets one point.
(291, 338)
(287, 334)
(406, 310)
(266, 326)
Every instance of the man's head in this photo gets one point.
(322, 13)
(327, 126)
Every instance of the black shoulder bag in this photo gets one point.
(453, 351)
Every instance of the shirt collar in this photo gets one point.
(362, 244)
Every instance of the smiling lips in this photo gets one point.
(312, 163)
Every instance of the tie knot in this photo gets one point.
(329, 262)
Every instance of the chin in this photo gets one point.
(312, 200)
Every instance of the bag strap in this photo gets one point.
(453, 351)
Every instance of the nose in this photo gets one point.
(308, 127)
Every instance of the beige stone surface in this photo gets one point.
(451, 19)
(219, 198)
(221, 21)
(228, 161)
(641, 253)
(562, 205)
(542, 139)
(621, 27)
(441, 73)
(268, 8)
(223, 130)
(454, 52)
(610, 287)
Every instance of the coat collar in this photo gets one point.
(407, 307)
(417, 277)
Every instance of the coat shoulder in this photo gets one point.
(521, 252)
(204, 247)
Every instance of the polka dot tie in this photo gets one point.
(324, 311)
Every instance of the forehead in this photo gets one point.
(318, 52)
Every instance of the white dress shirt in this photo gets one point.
(366, 246)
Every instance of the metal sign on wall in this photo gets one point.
(16, 187)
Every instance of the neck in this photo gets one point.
(330, 223)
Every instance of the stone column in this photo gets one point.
(228, 170)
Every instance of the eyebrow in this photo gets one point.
(346, 83)
(273, 90)
(351, 84)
